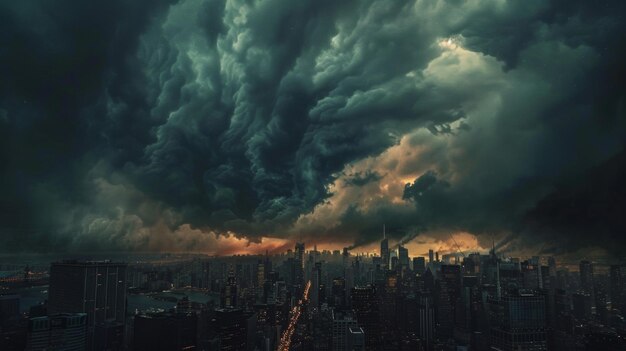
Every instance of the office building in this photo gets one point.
(518, 322)
(165, 331)
(342, 321)
(582, 305)
(403, 256)
(60, 332)
(9, 309)
(419, 265)
(586, 276)
(426, 321)
(229, 324)
(617, 287)
(366, 309)
(97, 288)
(228, 296)
(356, 339)
(384, 252)
(299, 265)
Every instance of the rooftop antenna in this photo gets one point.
(384, 234)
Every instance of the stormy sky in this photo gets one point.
(205, 125)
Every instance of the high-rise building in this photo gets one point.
(403, 256)
(228, 297)
(431, 256)
(97, 288)
(419, 264)
(426, 319)
(342, 321)
(586, 276)
(518, 322)
(617, 287)
(165, 331)
(9, 308)
(356, 339)
(366, 309)
(581, 303)
(229, 325)
(338, 293)
(316, 280)
(448, 293)
(57, 332)
(260, 273)
(299, 265)
(384, 249)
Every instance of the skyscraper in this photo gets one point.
(299, 265)
(426, 323)
(586, 276)
(165, 331)
(431, 256)
(518, 322)
(366, 309)
(97, 288)
(419, 264)
(403, 256)
(316, 280)
(228, 296)
(384, 249)
(57, 332)
(356, 339)
(616, 287)
(229, 325)
(341, 323)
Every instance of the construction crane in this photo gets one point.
(457, 245)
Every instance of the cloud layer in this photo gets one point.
(124, 125)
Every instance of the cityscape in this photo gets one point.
(306, 299)
(313, 175)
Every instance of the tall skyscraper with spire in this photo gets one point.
(384, 249)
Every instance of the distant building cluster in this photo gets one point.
(319, 300)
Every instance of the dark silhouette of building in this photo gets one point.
(165, 331)
(426, 319)
(299, 267)
(419, 265)
(366, 310)
(518, 322)
(57, 332)
(341, 323)
(356, 339)
(384, 251)
(338, 293)
(9, 308)
(617, 287)
(97, 288)
(582, 305)
(228, 297)
(586, 276)
(229, 325)
(403, 256)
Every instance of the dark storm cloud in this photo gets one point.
(127, 120)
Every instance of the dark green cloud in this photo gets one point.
(120, 117)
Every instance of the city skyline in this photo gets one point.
(313, 300)
(234, 127)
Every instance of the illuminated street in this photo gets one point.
(285, 340)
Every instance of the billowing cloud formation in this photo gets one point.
(148, 125)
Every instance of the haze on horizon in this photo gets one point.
(243, 126)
